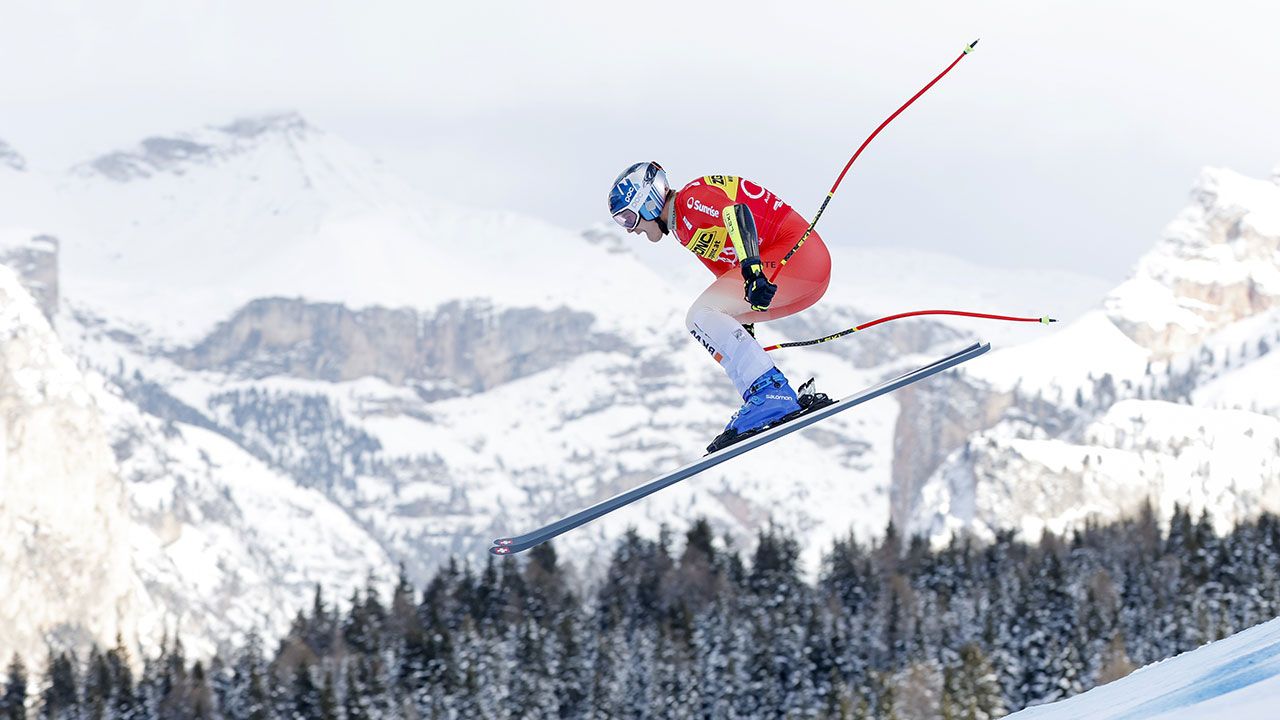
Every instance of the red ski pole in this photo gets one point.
(1046, 319)
(968, 49)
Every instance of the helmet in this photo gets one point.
(638, 193)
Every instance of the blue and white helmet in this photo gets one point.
(638, 194)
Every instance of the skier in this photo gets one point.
(731, 224)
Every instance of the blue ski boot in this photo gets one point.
(769, 399)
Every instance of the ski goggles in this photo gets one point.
(627, 218)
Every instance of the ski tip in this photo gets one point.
(500, 550)
(504, 541)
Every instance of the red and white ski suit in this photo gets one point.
(717, 315)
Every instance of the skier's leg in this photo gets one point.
(803, 280)
(711, 321)
(717, 316)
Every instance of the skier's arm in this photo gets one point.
(746, 243)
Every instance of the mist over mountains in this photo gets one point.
(283, 367)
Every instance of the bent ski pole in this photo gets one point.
(967, 49)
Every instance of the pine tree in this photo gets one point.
(127, 704)
(533, 684)
(896, 630)
(13, 701)
(1115, 661)
(305, 696)
(573, 676)
(99, 687)
(971, 689)
(328, 699)
(709, 646)
(62, 698)
(200, 694)
(632, 590)
(246, 694)
(919, 691)
(698, 576)
(608, 681)
(363, 624)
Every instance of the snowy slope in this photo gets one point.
(223, 543)
(1166, 394)
(1237, 678)
(177, 234)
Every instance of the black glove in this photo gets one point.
(757, 289)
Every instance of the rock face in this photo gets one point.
(34, 257)
(1217, 264)
(65, 551)
(1166, 396)
(460, 348)
(10, 158)
(936, 419)
(174, 154)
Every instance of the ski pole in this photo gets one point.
(1046, 319)
(967, 49)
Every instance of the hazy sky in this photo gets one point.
(1068, 140)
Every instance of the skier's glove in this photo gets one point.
(757, 289)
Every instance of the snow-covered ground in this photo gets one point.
(1236, 678)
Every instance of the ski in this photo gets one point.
(512, 545)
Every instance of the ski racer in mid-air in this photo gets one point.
(740, 231)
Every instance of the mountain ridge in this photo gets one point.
(308, 370)
(1139, 387)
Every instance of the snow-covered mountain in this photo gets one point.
(9, 158)
(65, 561)
(307, 373)
(1167, 392)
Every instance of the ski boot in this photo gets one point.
(768, 400)
(764, 408)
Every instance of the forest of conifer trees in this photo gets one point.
(693, 629)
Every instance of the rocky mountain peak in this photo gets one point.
(10, 158)
(1218, 263)
(178, 153)
(33, 257)
(287, 123)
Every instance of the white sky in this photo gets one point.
(1067, 140)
